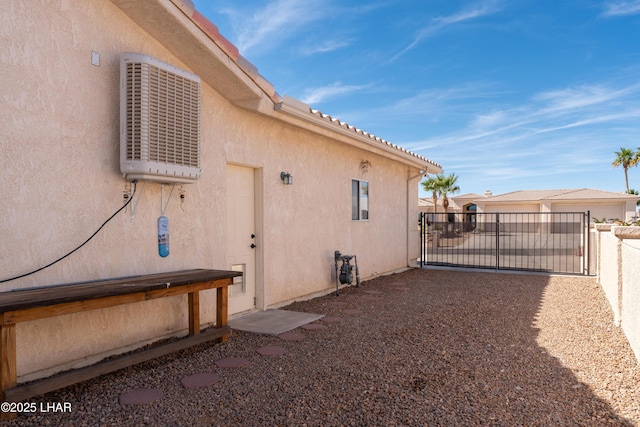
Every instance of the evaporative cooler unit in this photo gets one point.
(159, 121)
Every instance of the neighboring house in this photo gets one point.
(600, 204)
(462, 203)
(60, 167)
(463, 207)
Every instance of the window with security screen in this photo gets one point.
(359, 200)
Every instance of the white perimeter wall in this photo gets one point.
(630, 307)
(619, 276)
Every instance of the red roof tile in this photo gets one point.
(212, 31)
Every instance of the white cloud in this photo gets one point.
(326, 46)
(622, 8)
(451, 100)
(488, 120)
(596, 108)
(572, 99)
(266, 29)
(278, 21)
(475, 11)
(319, 94)
(478, 10)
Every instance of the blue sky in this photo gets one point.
(507, 94)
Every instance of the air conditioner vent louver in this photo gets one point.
(159, 121)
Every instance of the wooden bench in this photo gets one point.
(38, 303)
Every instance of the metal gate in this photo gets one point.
(555, 242)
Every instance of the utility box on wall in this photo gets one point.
(159, 121)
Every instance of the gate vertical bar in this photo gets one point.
(421, 225)
(587, 245)
(425, 230)
(497, 241)
(584, 234)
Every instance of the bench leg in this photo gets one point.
(8, 374)
(194, 313)
(222, 308)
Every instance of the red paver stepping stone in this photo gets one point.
(340, 303)
(271, 350)
(314, 326)
(141, 396)
(231, 362)
(352, 311)
(292, 336)
(200, 380)
(332, 319)
(371, 298)
(373, 292)
(401, 288)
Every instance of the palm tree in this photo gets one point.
(625, 158)
(448, 185)
(432, 184)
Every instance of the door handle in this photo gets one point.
(253, 245)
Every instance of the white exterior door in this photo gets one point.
(241, 237)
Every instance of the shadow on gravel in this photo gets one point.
(467, 355)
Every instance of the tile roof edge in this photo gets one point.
(621, 194)
(211, 30)
(557, 193)
(304, 111)
(561, 192)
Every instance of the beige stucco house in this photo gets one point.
(601, 204)
(456, 203)
(274, 174)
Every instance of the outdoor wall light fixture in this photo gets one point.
(286, 178)
(365, 165)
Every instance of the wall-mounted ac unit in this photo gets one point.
(159, 121)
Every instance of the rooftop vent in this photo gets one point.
(159, 121)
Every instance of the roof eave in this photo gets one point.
(198, 44)
(356, 137)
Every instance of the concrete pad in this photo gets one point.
(273, 322)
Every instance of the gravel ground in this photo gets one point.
(424, 347)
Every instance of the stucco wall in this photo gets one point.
(619, 276)
(489, 208)
(60, 167)
(630, 317)
(61, 158)
(608, 271)
(306, 222)
(597, 210)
